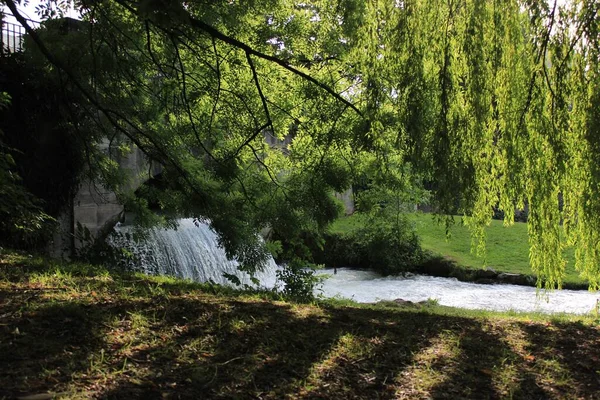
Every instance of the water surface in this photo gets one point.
(369, 287)
(192, 251)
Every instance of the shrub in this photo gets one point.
(388, 247)
(300, 281)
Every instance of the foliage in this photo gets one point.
(507, 248)
(386, 241)
(22, 220)
(390, 248)
(495, 103)
(383, 246)
(299, 281)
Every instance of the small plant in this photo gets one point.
(596, 312)
(300, 281)
(431, 302)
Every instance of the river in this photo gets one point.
(369, 287)
(192, 252)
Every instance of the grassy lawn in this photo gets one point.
(507, 248)
(78, 331)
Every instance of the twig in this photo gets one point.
(260, 93)
(215, 33)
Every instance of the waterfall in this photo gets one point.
(191, 252)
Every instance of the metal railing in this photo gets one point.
(11, 39)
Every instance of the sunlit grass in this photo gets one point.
(507, 248)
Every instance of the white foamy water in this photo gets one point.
(369, 287)
(193, 252)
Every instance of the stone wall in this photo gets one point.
(96, 208)
(347, 198)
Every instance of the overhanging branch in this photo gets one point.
(110, 114)
(216, 34)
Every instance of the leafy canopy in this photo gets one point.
(497, 103)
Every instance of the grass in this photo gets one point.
(507, 248)
(78, 331)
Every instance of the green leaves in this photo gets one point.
(494, 103)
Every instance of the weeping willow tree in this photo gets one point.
(495, 102)
(498, 103)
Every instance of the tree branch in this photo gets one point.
(187, 104)
(110, 114)
(215, 33)
(260, 92)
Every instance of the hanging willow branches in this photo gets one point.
(507, 116)
(496, 103)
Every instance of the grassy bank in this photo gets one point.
(507, 248)
(78, 331)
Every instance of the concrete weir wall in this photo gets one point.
(96, 208)
(347, 198)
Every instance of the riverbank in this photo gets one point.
(506, 260)
(80, 331)
(440, 266)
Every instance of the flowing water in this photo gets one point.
(369, 287)
(192, 252)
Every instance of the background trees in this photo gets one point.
(494, 102)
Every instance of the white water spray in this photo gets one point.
(191, 252)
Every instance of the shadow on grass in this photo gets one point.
(259, 349)
(487, 366)
(569, 353)
(44, 345)
(140, 338)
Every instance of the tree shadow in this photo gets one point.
(266, 350)
(568, 354)
(145, 339)
(44, 345)
(486, 365)
(59, 345)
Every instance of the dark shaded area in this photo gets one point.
(385, 248)
(124, 336)
(574, 348)
(485, 352)
(41, 129)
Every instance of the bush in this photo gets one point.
(380, 245)
(300, 281)
(389, 248)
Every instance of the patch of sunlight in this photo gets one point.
(353, 347)
(507, 375)
(166, 279)
(56, 277)
(199, 348)
(553, 373)
(506, 379)
(431, 366)
(103, 276)
(348, 348)
(238, 326)
(303, 311)
(138, 321)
